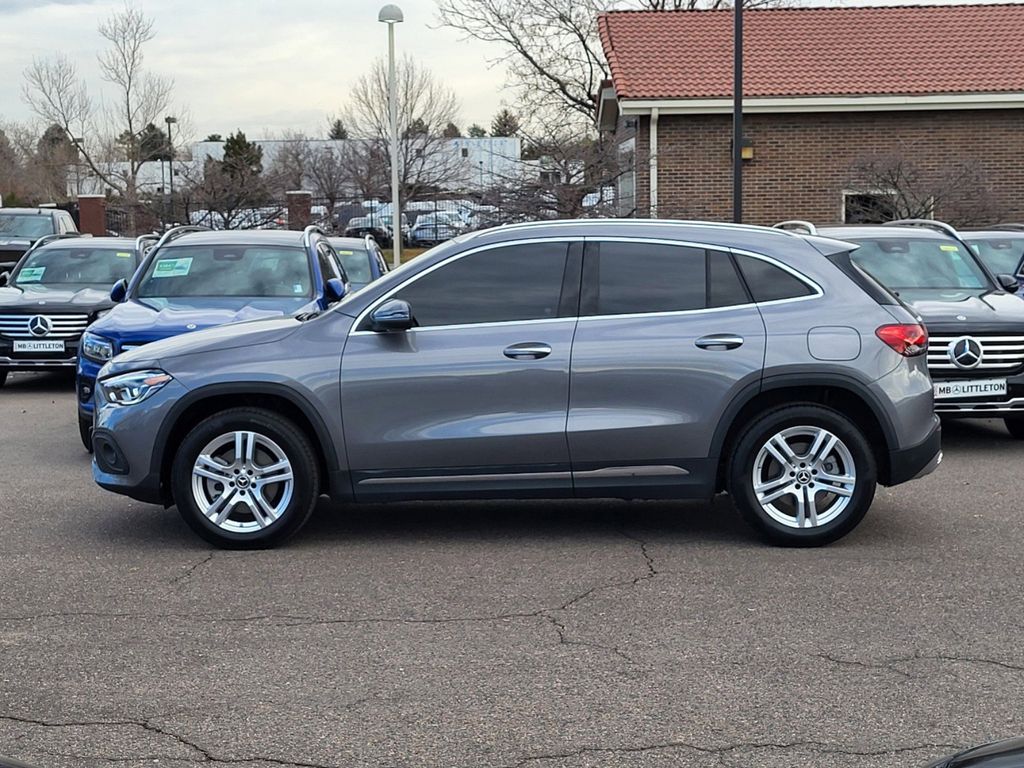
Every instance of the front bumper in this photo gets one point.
(986, 407)
(85, 384)
(918, 460)
(35, 364)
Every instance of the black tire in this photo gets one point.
(85, 432)
(3, 378)
(297, 449)
(744, 455)
(1015, 426)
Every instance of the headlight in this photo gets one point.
(96, 348)
(132, 388)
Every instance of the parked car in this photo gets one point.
(975, 323)
(195, 278)
(379, 227)
(361, 260)
(20, 228)
(999, 754)
(595, 358)
(1001, 248)
(433, 228)
(53, 293)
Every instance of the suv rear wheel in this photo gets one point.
(3, 378)
(85, 432)
(245, 478)
(802, 475)
(1015, 426)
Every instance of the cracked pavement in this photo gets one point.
(502, 635)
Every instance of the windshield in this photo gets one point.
(89, 267)
(1002, 256)
(227, 270)
(28, 225)
(357, 265)
(926, 265)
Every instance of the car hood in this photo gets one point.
(49, 298)
(990, 309)
(153, 319)
(15, 243)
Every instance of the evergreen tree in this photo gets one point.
(338, 131)
(416, 128)
(214, 137)
(477, 131)
(241, 156)
(451, 131)
(505, 123)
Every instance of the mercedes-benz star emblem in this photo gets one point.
(965, 353)
(39, 325)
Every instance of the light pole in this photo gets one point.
(737, 114)
(391, 15)
(170, 147)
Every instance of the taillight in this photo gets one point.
(909, 339)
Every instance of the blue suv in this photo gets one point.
(195, 278)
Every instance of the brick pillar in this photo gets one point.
(300, 209)
(92, 215)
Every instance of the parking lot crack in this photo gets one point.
(891, 664)
(190, 570)
(564, 639)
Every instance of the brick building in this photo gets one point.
(836, 101)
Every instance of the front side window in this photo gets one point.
(227, 270)
(27, 225)
(83, 267)
(1002, 256)
(506, 284)
(927, 265)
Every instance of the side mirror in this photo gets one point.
(392, 315)
(119, 291)
(5, 278)
(1008, 283)
(335, 290)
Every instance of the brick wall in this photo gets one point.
(802, 161)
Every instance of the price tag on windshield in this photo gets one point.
(173, 267)
(949, 248)
(31, 275)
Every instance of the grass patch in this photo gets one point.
(408, 254)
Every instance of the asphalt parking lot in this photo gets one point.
(493, 635)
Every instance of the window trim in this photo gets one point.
(361, 317)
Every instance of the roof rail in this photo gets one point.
(141, 239)
(1008, 227)
(46, 239)
(307, 235)
(174, 233)
(796, 224)
(369, 242)
(939, 226)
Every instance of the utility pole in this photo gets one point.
(737, 114)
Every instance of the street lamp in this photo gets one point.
(170, 147)
(391, 15)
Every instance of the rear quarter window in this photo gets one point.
(768, 282)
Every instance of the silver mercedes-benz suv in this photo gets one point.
(600, 358)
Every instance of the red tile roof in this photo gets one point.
(908, 50)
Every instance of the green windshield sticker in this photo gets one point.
(31, 275)
(345, 253)
(172, 267)
(124, 255)
(949, 248)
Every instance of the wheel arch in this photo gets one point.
(206, 401)
(849, 397)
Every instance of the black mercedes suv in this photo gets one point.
(21, 228)
(56, 289)
(975, 322)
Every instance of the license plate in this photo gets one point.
(970, 388)
(39, 345)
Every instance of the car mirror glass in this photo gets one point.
(119, 290)
(5, 278)
(335, 290)
(1008, 283)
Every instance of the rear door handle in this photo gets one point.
(719, 341)
(528, 350)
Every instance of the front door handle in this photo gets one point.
(528, 350)
(719, 341)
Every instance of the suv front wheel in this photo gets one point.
(245, 478)
(802, 475)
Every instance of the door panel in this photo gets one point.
(648, 389)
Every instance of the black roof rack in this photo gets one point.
(1009, 227)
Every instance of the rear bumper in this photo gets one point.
(918, 460)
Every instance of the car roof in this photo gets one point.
(239, 237)
(90, 242)
(877, 230)
(348, 242)
(30, 211)
(993, 234)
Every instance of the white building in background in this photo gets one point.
(152, 179)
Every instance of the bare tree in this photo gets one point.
(111, 144)
(550, 48)
(892, 185)
(425, 107)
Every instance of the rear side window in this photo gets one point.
(632, 278)
(506, 284)
(768, 282)
(725, 289)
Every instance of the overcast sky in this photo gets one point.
(264, 66)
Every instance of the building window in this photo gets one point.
(465, 152)
(550, 177)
